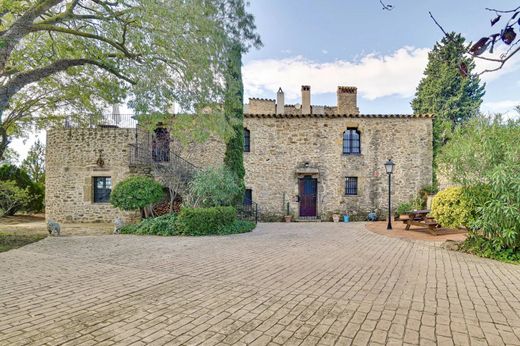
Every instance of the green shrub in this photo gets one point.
(35, 191)
(213, 187)
(452, 208)
(136, 193)
(162, 225)
(403, 208)
(480, 246)
(202, 221)
(12, 197)
(499, 211)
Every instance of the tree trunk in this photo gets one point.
(4, 142)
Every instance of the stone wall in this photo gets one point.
(70, 162)
(281, 146)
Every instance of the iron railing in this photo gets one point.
(167, 165)
(106, 120)
(247, 211)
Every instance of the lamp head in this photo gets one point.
(389, 166)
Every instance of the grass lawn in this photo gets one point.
(14, 241)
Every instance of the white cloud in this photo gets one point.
(375, 75)
(324, 51)
(511, 65)
(506, 107)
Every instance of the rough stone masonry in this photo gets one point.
(295, 157)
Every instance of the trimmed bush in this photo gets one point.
(452, 208)
(136, 193)
(203, 221)
(163, 225)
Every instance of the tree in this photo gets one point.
(70, 58)
(34, 163)
(452, 95)
(34, 202)
(11, 157)
(212, 187)
(234, 109)
(12, 197)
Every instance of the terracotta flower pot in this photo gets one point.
(288, 218)
(335, 217)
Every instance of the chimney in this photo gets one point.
(306, 99)
(347, 100)
(280, 102)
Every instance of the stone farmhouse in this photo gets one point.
(308, 160)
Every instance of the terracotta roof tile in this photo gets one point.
(271, 115)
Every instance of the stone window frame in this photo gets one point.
(356, 184)
(358, 131)
(247, 140)
(94, 188)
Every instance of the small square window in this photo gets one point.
(351, 186)
(102, 189)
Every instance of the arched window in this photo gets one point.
(247, 140)
(351, 141)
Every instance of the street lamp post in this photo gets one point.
(389, 166)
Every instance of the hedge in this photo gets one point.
(162, 225)
(203, 221)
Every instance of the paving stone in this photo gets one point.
(283, 284)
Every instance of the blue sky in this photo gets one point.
(325, 43)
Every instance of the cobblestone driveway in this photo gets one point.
(282, 284)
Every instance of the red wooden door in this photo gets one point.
(308, 188)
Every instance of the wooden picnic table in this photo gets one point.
(421, 218)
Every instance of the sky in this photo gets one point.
(326, 43)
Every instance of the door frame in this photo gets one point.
(301, 193)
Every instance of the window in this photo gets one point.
(351, 141)
(161, 145)
(351, 186)
(247, 140)
(102, 189)
(248, 197)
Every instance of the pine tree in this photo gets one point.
(234, 108)
(448, 90)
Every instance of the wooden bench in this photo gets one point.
(420, 218)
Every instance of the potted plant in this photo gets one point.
(288, 218)
(346, 217)
(335, 216)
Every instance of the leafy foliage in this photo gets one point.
(484, 157)
(403, 208)
(453, 97)
(234, 108)
(69, 59)
(205, 221)
(35, 192)
(499, 215)
(213, 187)
(190, 224)
(34, 163)
(452, 208)
(163, 225)
(12, 197)
(136, 193)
